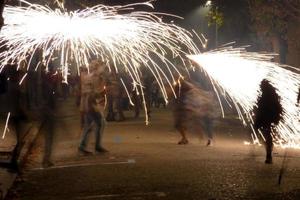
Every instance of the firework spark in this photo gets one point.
(237, 74)
(6, 126)
(124, 41)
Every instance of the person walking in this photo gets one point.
(48, 105)
(93, 103)
(193, 105)
(267, 114)
(14, 103)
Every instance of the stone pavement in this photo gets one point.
(145, 162)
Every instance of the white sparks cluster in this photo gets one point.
(237, 74)
(124, 41)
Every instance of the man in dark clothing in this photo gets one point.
(13, 101)
(267, 114)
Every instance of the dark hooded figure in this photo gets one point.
(267, 114)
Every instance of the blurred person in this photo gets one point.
(148, 80)
(65, 87)
(49, 83)
(115, 96)
(93, 106)
(267, 114)
(136, 99)
(14, 102)
(32, 89)
(84, 89)
(193, 105)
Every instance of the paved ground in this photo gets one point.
(145, 162)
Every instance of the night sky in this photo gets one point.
(178, 7)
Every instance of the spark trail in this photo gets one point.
(123, 41)
(237, 74)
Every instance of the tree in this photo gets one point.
(270, 20)
(232, 19)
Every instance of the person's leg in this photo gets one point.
(103, 124)
(100, 124)
(81, 120)
(182, 132)
(136, 103)
(207, 124)
(86, 128)
(268, 144)
(110, 106)
(119, 107)
(49, 130)
(16, 152)
(180, 125)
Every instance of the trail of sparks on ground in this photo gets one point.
(123, 41)
(237, 74)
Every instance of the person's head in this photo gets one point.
(266, 86)
(83, 70)
(97, 66)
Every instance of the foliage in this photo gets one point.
(232, 19)
(271, 17)
(215, 17)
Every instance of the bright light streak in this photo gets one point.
(237, 74)
(123, 41)
(6, 126)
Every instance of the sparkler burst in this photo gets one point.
(124, 41)
(237, 74)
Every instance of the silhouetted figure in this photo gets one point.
(267, 114)
(81, 95)
(14, 103)
(49, 83)
(113, 92)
